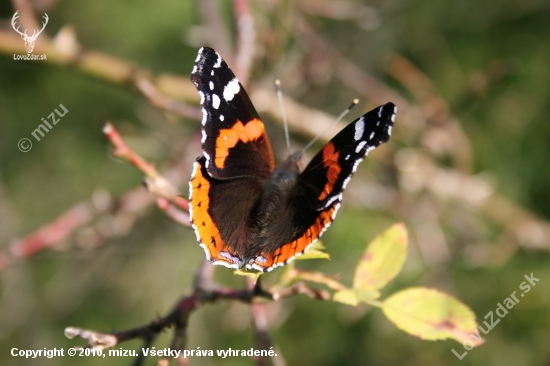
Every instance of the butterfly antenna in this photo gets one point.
(280, 95)
(342, 115)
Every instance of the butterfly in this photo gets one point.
(245, 210)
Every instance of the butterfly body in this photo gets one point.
(247, 212)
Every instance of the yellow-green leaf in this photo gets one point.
(431, 315)
(354, 297)
(382, 259)
(252, 274)
(315, 252)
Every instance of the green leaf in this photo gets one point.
(382, 260)
(315, 252)
(354, 297)
(431, 315)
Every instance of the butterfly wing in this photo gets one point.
(219, 211)
(328, 173)
(316, 198)
(234, 140)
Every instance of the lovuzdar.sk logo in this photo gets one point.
(29, 40)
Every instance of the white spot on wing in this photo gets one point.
(215, 101)
(332, 199)
(211, 85)
(371, 135)
(194, 69)
(196, 167)
(204, 116)
(359, 128)
(222, 117)
(360, 146)
(207, 159)
(231, 89)
(225, 264)
(199, 54)
(346, 181)
(203, 139)
(212, 73)
(369, 149)
(355, 165)
(218, 61)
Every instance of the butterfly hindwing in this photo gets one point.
(234, 140)
(219, 211)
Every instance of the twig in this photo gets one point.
(157, 99)
(154, 181)
(53, 232)
(179, 314)
(173, 212)
(163, 90)
(216, 28)
(246, 36)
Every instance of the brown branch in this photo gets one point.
(205, 291)
(179, 317)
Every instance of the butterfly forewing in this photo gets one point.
(234, 140)
(326, 176)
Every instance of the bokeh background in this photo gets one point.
(467, 168)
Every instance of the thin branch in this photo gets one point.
(173, 212)
(246, 37)
(216, 29)
(53, 232)
(161, 101)
(179, 314)
(259, 317)
(154, 181)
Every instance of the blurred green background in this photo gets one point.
(487, 63)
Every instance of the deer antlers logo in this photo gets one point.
(29, 40)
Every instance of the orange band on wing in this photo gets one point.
(331, 161)
(230, 137)
(207, 232)
(267, 261)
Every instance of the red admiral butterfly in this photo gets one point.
(245, 210)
